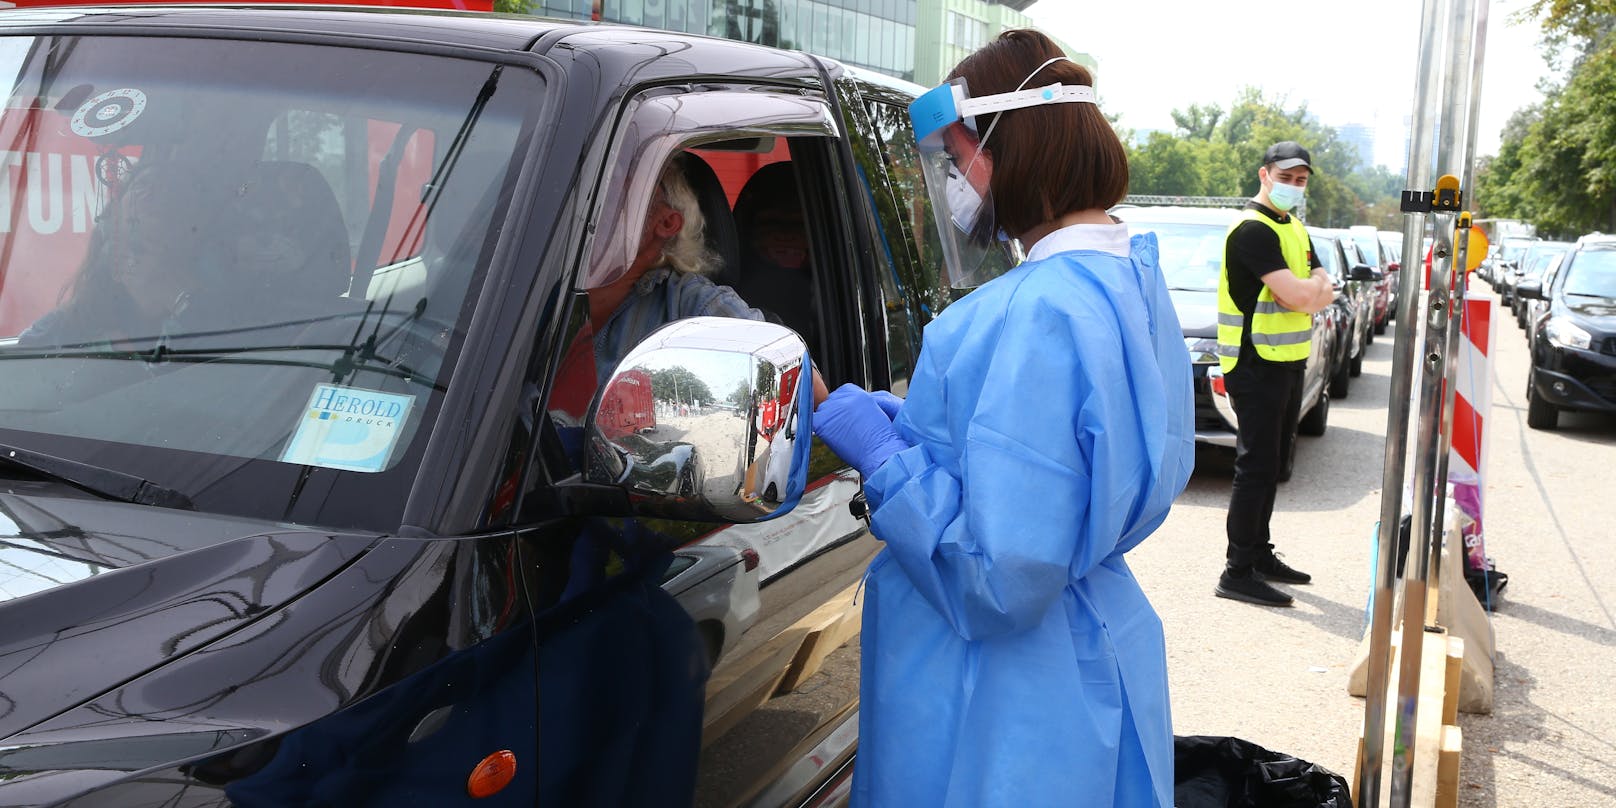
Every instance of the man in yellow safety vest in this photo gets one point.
(1269, 288)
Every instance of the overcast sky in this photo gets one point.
(1350, 61)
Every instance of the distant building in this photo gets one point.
(947, 31)
(1362, 137)
(918, 40)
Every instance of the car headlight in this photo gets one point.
(1566, 334)
(1203, 350)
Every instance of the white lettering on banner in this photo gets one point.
(44, 190)
(86, 192)
(7, 160)
(43, 223)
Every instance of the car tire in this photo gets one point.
(1380, 325)
(1316, 419)
(1341, 381)
(712, 640)
(1540, 414)
(772, 493)
(687, 481)
(1355, 366)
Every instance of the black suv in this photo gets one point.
(1574, 345)
(347, 521)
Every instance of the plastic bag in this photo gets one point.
(1215, 772)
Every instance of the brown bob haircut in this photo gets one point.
(1048, 160)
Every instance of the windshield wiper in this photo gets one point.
(102, 482)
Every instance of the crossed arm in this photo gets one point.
(1307, 295)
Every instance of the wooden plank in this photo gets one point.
(1447, 770)
(1453, 674)
(829, 628)
(1437, 678)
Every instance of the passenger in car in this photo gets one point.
(142, 266)
(667, 280)
(776, 272)
(1010, 658)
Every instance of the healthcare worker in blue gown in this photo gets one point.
(1010, 658)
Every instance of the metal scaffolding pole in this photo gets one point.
(1453, 152)
(1391, 504)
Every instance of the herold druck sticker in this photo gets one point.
(348, 428)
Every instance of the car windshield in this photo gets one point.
(1191, 254)
(1368, 248)
(1329, 257)
(1591, 273)
(1537, 259)
(250, 279)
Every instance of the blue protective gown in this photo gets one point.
(1009, 656)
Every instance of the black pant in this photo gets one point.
(1267, 398)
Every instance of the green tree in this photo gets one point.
(679, 383)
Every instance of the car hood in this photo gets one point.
(1197, 311)
(95, 593)
(1598, 312)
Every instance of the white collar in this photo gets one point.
(1106, 238)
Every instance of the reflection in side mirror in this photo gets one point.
(701, 421)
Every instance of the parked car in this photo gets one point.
(1386, 291)
(718, 587)
(1507, 266)
(1374, 254)
(1359, 278)
(1531, 265)
(348, 529)
(1352, 309)
(1574, 350)
(1192, 244)
(1538, 308)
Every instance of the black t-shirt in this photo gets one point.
(1251, 252)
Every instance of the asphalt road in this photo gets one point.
(1278, 677)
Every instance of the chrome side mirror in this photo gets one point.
(707, 419)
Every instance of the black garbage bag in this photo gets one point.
(1218, 772)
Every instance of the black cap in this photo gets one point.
(1287, 154)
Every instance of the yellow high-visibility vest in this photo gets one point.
(1278, 334)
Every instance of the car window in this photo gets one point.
(200, 264)
(1329, 253)
(1368, 248)
(1591, 273)
(1191, 253)
(902, 158)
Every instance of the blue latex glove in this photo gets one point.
(852, 423)
(889, 403)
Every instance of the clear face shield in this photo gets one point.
(957, 173)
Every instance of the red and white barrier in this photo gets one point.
(1472, 404)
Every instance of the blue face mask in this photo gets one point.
(1285, 196)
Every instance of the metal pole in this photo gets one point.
(1453, 153)
(1397, 410)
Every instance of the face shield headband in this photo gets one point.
(944, 121)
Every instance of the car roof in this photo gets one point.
(1601, 239)
(1176, 214)
(697, 53)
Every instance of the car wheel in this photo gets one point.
(1380, 325)
(1355, 367)
(1340, 382)
(712, 640)
(1316, 419)
(772, 493)
(687, 481)
(1540, 414)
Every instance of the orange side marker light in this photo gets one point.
(494, 773)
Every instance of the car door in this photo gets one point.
(715, 697)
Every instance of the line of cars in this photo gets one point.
(1191, 243)
(1563, 295)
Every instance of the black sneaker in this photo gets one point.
(1276, 570)
(1251, 589)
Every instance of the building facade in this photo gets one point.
(917, 40)
(874, 34)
